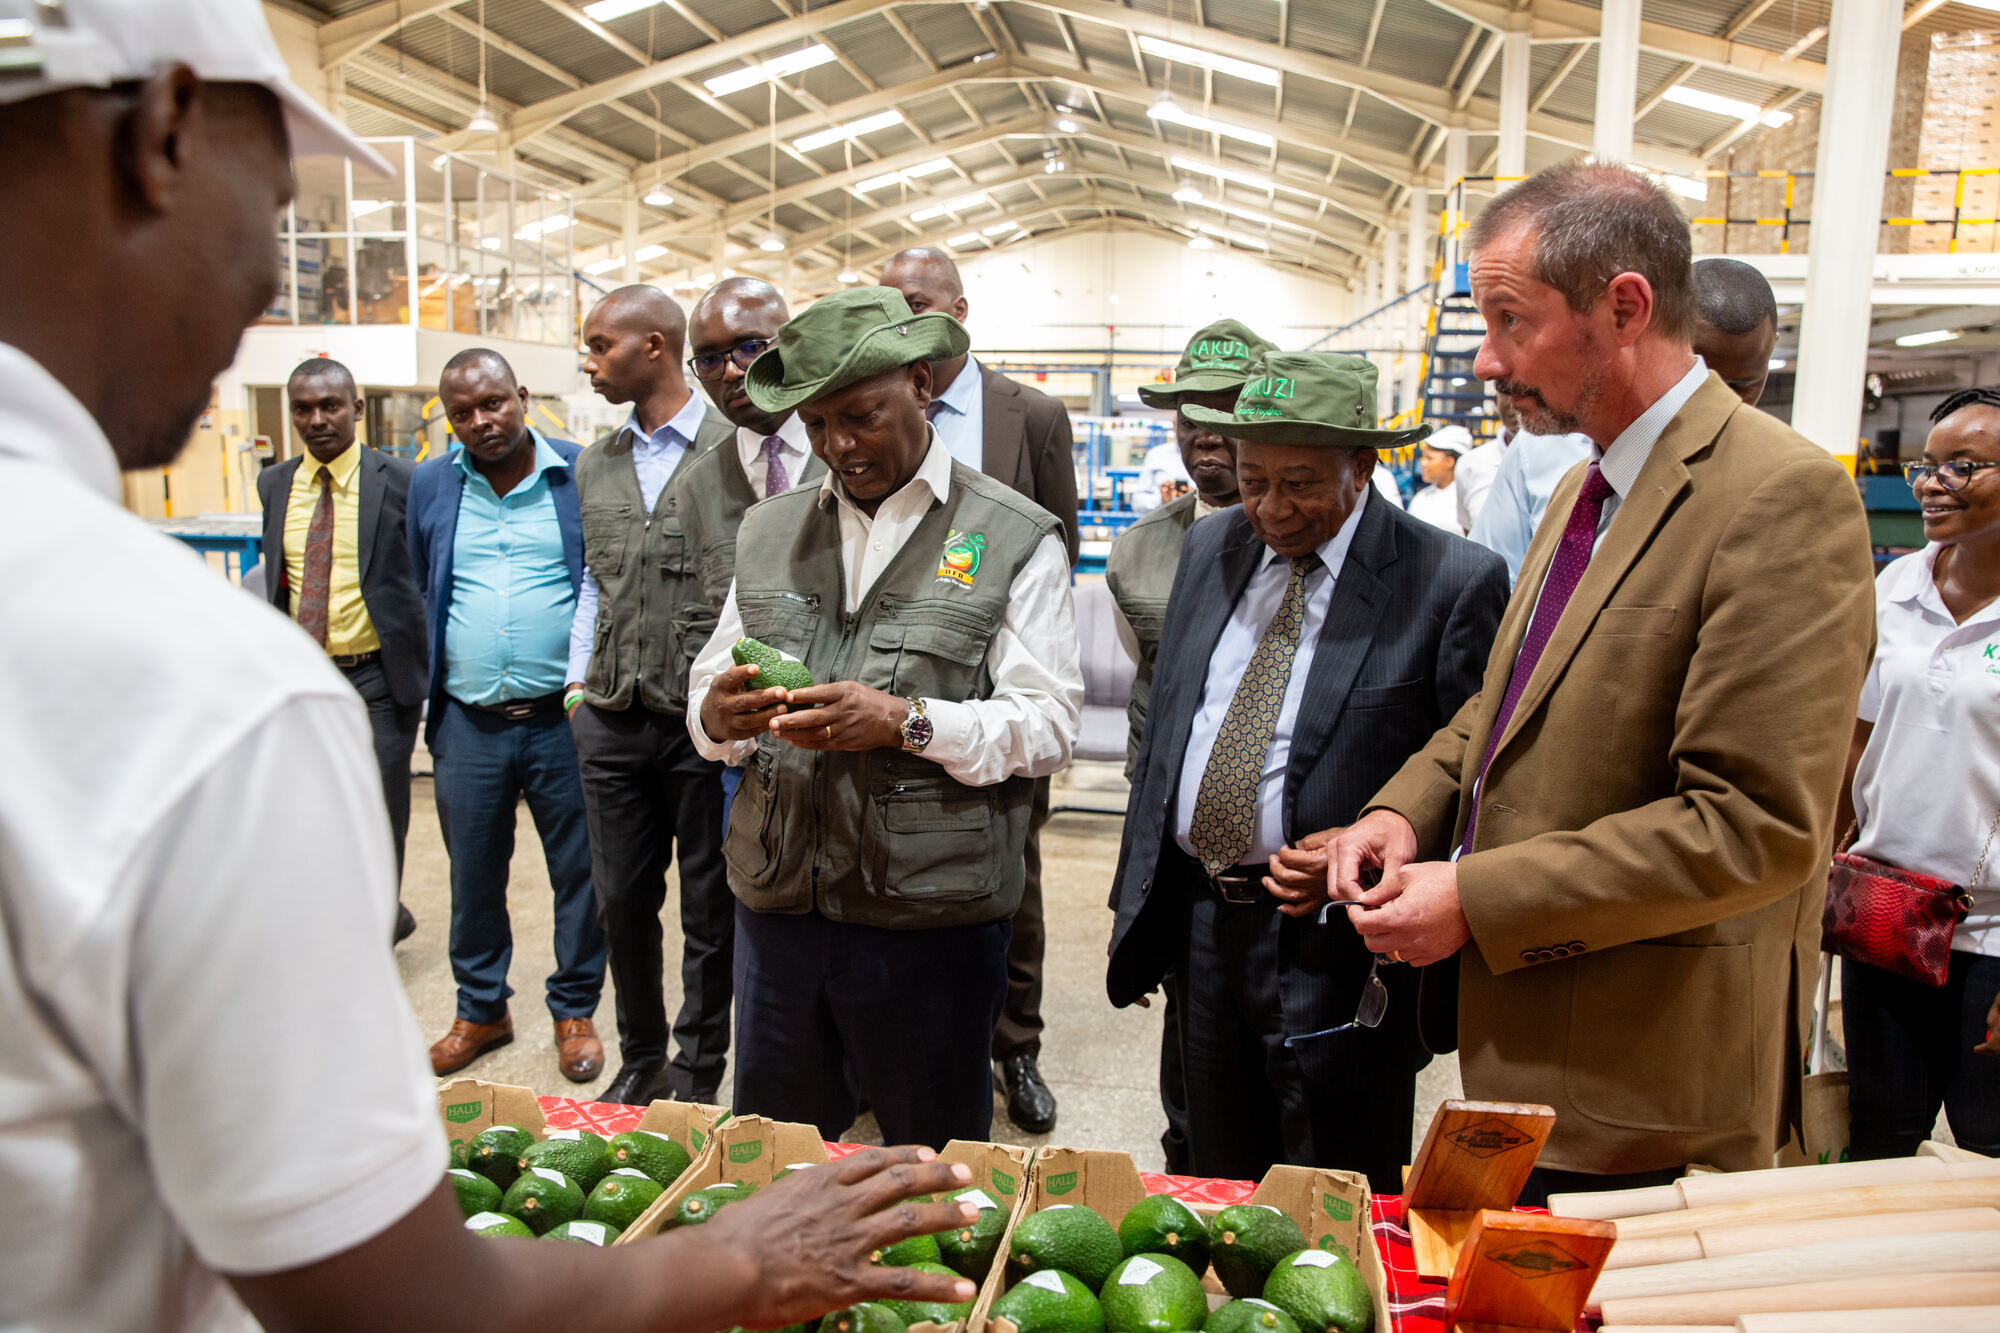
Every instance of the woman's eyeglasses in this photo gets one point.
(1952, 475)
(710, 365)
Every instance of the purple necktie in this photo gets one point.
(775, 482)
(1572, 558)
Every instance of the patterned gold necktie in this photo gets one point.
(1225, 808)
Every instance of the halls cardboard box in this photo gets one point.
(753, 1149)
(1330, 1207)
(469, 1105)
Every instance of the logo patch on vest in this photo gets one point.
(960, 563)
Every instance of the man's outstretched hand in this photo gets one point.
(812, 1236)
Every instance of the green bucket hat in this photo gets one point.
(1308, 398)
(844, 338)
(1218, 357)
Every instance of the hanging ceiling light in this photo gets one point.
(772, 243)
(1187, 192)
(657, 197)
(847, 275)
(1201, 243)
(482, 121)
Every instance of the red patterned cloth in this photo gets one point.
(1415, 1306)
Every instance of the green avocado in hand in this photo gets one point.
(775, 671)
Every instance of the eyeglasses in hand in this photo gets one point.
(1952, 475)
(1374, 991)
(710, 365)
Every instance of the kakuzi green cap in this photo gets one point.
(1307, 398)
(1218, 357)
(844, 338)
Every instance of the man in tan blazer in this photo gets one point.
(1630, 873)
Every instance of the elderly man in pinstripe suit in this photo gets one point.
(1313, 640)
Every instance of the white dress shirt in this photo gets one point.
(1385, 486)
(1028, 725)
(1162, 464)
(794, 448)
(209, 1065)
(1231, 658)
(655, 457)
(1524, 478)
(1473, 477)
(961, 422)
(1928, 783)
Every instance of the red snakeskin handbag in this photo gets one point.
(1897, 920)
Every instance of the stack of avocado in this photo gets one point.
(1072, 1272)
(572, 1185)
(968, 1251)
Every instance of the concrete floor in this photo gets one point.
(1101, 1062)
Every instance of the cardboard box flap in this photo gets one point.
(686, 1123)
(1107, 1182)
(469, 1105)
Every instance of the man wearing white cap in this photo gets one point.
(216, 1103)
(1437, 502)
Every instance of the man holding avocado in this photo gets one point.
(875, 847)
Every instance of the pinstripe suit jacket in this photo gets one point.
(1404, 644)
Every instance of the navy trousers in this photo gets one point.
(483, 766)
(394, 727)
(1909, 1051)
(828, 1012)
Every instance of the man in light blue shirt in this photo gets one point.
(496, 542)
(1522, 485)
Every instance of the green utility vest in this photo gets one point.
(880, 837)
(646, 636)
(1140, 574)
(714, 492)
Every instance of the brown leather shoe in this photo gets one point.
(466, 1042)
(578, 1050)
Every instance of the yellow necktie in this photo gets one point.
(1225, 808)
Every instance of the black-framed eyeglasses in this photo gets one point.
(709, 365)
(1952, 474)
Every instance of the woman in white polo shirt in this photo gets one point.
(1925, 781)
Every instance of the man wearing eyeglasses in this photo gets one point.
(647, 791)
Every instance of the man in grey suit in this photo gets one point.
(335, 560)
(1312, 640)
(1021, 437)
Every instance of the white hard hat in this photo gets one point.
(1450, 439)
(49, 45)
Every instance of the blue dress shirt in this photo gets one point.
(507, 633)
(1527, 476)
(655, 457)
(961, 421)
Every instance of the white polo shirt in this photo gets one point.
(207, 1063)
(1928, 785)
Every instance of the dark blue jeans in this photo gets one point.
(827, 1012)
(484, 765)
(1909, 1051)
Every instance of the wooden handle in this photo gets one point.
(1952, 1251)
(1911, 1172)
(1717, 1242)
(1612, 1205)
(1935, 1319)
(1645, 1251)
(1847, 1293)
(1806, 1207)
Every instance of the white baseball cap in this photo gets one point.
(1450, 439)
(49, 45)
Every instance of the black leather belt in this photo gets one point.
(351, 660)
(1238, 884)
(520, 710)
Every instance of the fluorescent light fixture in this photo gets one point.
(657, 197)
(605, 265)
(1804, 44)
(999, 229)
(930, 168)
(964, 202)
(1777, 363)
(777, 67)
(1926, 339)
(1231, 237)
(1733, 107)
(606, 10)
(771, 244)
(1191, 55)
(853, 129)
(1201, 243)
(1222, 173)
(926, 214)
(1187, 192)
(647, 252)
(542, 227)
(489, 242)
(911, 174)
(1172, 114)
(1687, 187)
(963, 238)
(363, 207)
(874, 183)
(1065, 126)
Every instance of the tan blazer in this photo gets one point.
(1645, 887)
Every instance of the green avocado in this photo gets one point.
(867, 1317)
(621, 1196)
(1245, 1241)
(496, 1153)
(701, 1205)
(971, 1247)
(914, 1250)
(1050, 1301)
(579, 1154)
(1249, 1316)
(584, 1233)
(936, 1312)
(543, 1199)
(658, 1156)
(496, 1224)
(1162, 1224)
(1152, 1293)
(476, 1194)
(1322, 1291)
(774, 670)
(1067, 1237)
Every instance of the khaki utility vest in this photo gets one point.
(1140, 574)
(714, 495)
(880, 837)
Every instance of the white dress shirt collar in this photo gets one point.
(1628, 453)
(933, 475)
(794, 446)
(1332, 551)
(42, 421)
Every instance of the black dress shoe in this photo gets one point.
(406, 925)
(1030, 1104)
(636, 1085)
